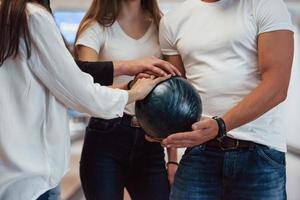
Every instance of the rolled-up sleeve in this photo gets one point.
(54, 66)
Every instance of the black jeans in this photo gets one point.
(115, 156)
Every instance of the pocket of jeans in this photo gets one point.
(272, 156)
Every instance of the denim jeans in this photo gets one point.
(249, 174)
(53, 194)
(115, 156)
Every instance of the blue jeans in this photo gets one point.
(247, 174)
(115, 156)
(53, 194)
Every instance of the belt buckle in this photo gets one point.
(237, 143)
(134, 122)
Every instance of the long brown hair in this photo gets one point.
(14, 25)
(106, 12)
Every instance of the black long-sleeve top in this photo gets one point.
(102, 72)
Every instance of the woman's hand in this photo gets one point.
(151, 66)
(203, 131)
(151, 139)
(171, 169)
(143, 87)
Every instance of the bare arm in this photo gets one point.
(177, 62)
(172, 152)
(171, 166)
(275, 57)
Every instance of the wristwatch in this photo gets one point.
(222, 128)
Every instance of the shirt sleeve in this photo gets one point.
(54, 66)
(167, 39)
(272, 15)
(102, 72)
(92, 37)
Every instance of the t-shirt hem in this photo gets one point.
(86, 44)
(170, 53)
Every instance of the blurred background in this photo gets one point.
(68, 14)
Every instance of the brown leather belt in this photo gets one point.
(228, 143)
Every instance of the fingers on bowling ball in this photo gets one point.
(173, 106)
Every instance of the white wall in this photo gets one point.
(292, 104)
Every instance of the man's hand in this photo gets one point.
(151, 66)
(203, 131)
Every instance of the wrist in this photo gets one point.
(129, 84)
(129, 66)
(172, 163)
(134, 95)
(118, 67)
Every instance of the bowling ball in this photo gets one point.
(172, 106)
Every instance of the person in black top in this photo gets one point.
(104, 72)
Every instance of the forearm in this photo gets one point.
(177, 62)
(262, 99)
(122, 86)
(121, 66)
(172, 154)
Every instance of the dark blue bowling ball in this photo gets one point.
(173, 106)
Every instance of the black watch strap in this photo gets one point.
(129, 85)
(222, 128)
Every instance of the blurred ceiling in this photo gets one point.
(84, 4)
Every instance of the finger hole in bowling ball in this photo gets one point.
(172, 106)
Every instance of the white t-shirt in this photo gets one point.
(218, 45)
(34, 123)
(112, 43)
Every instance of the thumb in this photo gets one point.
(200, 125)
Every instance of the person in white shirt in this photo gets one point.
(122, 30)
(39, 81)
(238, 55)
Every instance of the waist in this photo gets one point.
(126, 120)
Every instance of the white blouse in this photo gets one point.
(34, 96)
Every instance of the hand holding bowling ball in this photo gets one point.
(172, 106)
